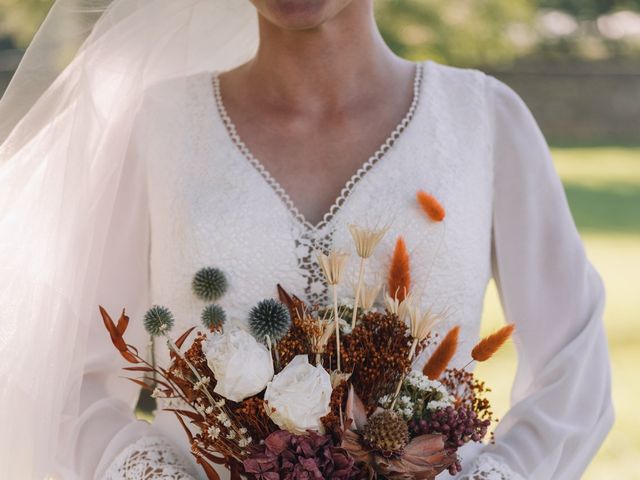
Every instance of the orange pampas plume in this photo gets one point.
(399, 279)
(490, 344)
(431, 206)
(442, 355)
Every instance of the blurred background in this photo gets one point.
(576, 63)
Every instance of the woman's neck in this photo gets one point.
(323, 68)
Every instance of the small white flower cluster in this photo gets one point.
(239, 435)
(438, 404)
(385, 401)
(200, 406)
(214, 432)
(224, 419)
(417, 389)
(423, 383)
(157, 393)
(201, 384)
(244, 441)
(345, 327)
(405, 406)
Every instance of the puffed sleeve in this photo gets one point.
(561, 408)
(105, 440)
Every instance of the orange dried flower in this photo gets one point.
(431, 206)
(490, 344)
(399, 278)
(442, 355)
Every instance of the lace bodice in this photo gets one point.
(317, 237)
(212, 203)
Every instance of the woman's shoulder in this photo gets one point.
(175, 97)
(473, 86)
(455, 78)
(458, 95)
(169, 87)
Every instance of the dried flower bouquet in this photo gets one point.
(319, 391)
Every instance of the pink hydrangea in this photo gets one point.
(285, 456)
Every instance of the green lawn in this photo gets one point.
(603, 187)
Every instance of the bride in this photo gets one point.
(246, 136)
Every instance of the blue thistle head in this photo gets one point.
(269, 317)
(213, 317)
(209, 284)
(158, 320)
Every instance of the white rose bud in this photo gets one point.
(241, 365)
(299, 396)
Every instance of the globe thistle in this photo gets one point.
(386, 432)
(269, 318)
(158, 320)
(213, 317)
(209, 284)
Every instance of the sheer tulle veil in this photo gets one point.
(65, 124)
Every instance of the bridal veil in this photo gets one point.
(65, 124)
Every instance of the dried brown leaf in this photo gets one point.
(129, 357)
(123, 323)
(116, 337)
(208, 469)
(183, 337)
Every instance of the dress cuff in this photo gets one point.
(149, 458)
(488, 467)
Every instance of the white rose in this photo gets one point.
(242, 367)
(299, 396)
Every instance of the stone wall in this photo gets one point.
(578, 102)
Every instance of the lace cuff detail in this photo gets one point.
(486, 467)
(149, 458)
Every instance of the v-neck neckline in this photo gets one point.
(349, 186)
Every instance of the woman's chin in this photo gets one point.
(299, 14)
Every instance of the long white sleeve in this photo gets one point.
(102, 435)
(561, 400)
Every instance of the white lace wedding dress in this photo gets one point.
(469, 140)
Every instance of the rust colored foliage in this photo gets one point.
(376, 354)
(331, 421)
(116, 332)
(296, 341)
(178, 382)
(399, 279)
(490, 344)
(440, 358)
(431, 206)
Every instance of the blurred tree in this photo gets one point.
(19, 19)
(461, 32)
(590, 9)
